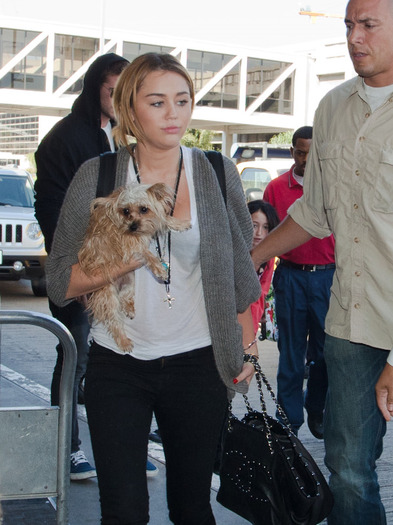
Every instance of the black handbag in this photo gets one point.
(267, 476)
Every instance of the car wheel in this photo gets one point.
(39, 287)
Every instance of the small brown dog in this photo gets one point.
(121, 228)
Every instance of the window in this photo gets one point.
(29, 73)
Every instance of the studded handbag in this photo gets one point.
(266, 475)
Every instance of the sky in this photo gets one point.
(263, 24)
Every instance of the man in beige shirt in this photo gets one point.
(348, 192)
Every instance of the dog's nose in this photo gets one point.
(133, 226)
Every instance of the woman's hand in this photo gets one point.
(246, 374)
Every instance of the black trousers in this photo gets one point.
(75, 318)
(189, 401)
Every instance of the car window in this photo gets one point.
(16, 190)
(255, 178)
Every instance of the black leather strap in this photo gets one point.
(215, 159)
(107, 174)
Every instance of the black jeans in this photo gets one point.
(75, 318)
(189, 401)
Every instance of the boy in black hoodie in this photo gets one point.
(83, 134)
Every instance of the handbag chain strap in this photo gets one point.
(262, 379)
(260, 375)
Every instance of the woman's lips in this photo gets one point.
(172, 129)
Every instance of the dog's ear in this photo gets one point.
(101, 201)
(105, 201)
(115, 194)
(163, 193)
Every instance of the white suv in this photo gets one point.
(22, 249)
(256, 174)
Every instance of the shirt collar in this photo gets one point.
(292, 182)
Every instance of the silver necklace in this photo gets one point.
(167, 240)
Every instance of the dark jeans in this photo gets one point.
(302, 301)
(189, 401)
(75, 318)
(354, 431)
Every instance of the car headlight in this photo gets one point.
(34, 231)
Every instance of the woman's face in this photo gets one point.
(261, 227)
(163, 108)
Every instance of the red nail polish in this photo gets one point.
(235, 381)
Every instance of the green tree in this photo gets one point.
(198, 138)
(32, 166)
(285, 137)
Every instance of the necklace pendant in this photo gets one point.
(169, 299)
(165, 265)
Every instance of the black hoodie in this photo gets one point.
(73, 140)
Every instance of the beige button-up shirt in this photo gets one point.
(348, 190)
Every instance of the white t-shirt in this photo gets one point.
(108, 131)
(156, 329)
(376, 96)
(298, 178)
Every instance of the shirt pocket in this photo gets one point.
(330, 158)
(382, 199)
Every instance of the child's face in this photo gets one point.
(261, 227)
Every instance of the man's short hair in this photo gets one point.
(115, 68)
(304, 132)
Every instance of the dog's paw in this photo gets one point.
(125, 344)
(130, 314)
(128, 308)
(161, 271)
(179, 225)
(157, 267)
(186, 226)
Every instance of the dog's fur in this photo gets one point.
(120, 229)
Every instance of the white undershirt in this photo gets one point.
(108, 131)
(298, 178)
(376, 96)
(157, 330)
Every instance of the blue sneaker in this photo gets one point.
(80, 467)
(151, 470)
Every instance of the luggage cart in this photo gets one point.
(31, 437)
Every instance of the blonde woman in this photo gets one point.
(190, 334)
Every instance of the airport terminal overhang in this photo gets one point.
(229, 99)
(238, 91)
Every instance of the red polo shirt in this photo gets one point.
(281, 193)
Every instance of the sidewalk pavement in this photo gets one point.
(84, 502)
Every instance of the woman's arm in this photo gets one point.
(249, 346)
(82, 284)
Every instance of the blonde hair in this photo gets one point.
(128, 85)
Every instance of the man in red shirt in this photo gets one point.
(301, 284)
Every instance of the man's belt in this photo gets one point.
(307, 267)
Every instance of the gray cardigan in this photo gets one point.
(229, 280)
